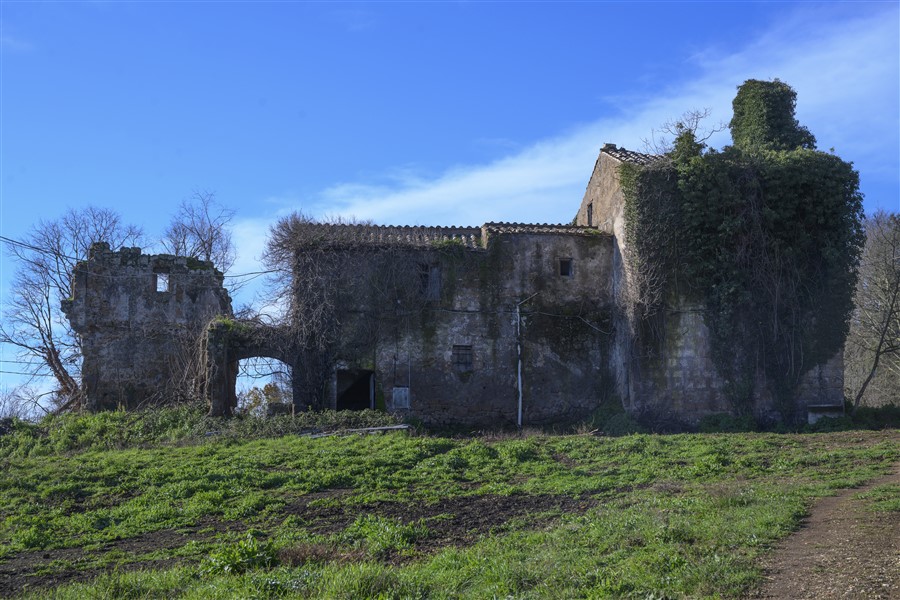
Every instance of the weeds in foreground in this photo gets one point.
(249, 553)
(662, 516)
(882, 498)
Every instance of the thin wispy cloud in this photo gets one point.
(12, 43)
(353, 20)
(845, 73)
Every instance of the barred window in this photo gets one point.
(430, 281)
(462, 358)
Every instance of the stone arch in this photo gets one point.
(229, 341)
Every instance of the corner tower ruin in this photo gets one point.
(139, 318)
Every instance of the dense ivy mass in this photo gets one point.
(764, 118)
(766, 233)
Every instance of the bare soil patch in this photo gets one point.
(455, 521)
(842, 550)
(50, 568)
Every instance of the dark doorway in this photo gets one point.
(355, 389)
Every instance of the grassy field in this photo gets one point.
(171, 505)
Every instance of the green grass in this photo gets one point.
(679, 516)
(882, 498)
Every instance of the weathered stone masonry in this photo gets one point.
(678, 376)
(506, 323)
(139, 318)
(454, 358)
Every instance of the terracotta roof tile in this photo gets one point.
(537, 228)
(629, 156)
(394, 235)
(473, 238)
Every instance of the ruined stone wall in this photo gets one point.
(603, 207)
(139, 318)
(670, 370)
(455, 359)
(676, 374)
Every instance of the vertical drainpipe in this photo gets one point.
(408, 363)
(519, 356)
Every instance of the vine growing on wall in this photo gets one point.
(766, 233)
(346, 286)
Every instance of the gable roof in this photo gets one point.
(629, 156)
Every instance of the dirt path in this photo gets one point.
(841, 551)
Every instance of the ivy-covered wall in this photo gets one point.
(558, 278)
(739, 266)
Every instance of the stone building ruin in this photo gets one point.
(139, 318)
(506, 323)
(680, 378)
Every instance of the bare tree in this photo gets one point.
(875, 329)
(33, 322)
(660, 143)
(21, 402)
(200, 230)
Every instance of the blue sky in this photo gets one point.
(402, 112)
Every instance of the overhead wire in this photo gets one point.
(28, 374)
(11, 241)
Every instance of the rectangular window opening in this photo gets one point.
(565, 267)
(162, 282)
(430, 281)
(590, 214)
(462, 358)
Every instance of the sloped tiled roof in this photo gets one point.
(389, 235)
(474, 238)
(537, 228)
(629, 156)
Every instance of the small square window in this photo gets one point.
(162, 282)
(462, 358)
(565, 267)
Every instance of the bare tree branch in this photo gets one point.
(200, 230)
(874, 340)
(32, 319)
(661, 141)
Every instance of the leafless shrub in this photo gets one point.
(200, 230)
(340, 283)
(661, 141)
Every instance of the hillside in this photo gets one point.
(164, 505)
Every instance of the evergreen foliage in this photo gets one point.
(765, 233)
(764, 118)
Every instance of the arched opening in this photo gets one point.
(264, 386)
